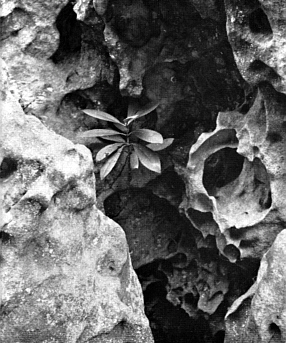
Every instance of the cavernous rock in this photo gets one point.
(257, 33)
(259, 315)
(66, 274)
(235, 177)
(186, 283)
(197, 232)
(53, 61)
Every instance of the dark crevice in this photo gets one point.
(219, 337)
(275, 333)
(259, 23)
(199, 218)
(232, 253)
(221, 168)
(265, 72)
(6, 238)
(8, 167)
(70, 33)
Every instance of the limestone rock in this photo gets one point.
(66, 274)
(168, 250)
(257, 34)
(51, 55)
(264, 318)
(235, 178)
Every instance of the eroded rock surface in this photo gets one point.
(65, 268)
(52, 58)
(256, 31)
(235, 178)
(181, 272)
(264, 317)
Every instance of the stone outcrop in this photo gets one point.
(66, 274)
(235, 178)
(256, 31)
(198, 231)
(173, 258)
(52, 58)
(263, 320)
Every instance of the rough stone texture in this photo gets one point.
(257, 34)
(64, 57)
(265, 317)
(66, 273)
(173, 258)
(51, 59)
(236, 177)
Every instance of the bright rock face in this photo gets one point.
(236, 178)
(52, 58)
(257, 34)
(264, 319)
(65, 268)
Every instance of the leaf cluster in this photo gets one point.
(124, 138)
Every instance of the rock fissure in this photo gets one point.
(206, 236)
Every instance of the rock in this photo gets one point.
(264, 318)
(50, 55)
(65, 268)
(235, 178)
(257, 34)
(167, 251)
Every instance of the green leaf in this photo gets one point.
(115, 138)
(148, 135)
(110, 163)
(107, 150)
(158, 147)
(141, 112)
(101, 115)
(99, 133)
(148, 158)
(121, 127)
(134, 161)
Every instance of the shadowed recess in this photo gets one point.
(70, 33)
(259, 23)
(8, 167)
(221, 168)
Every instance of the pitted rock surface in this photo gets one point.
(65, 268)
(235, 178)
(50, 55)
(257, 34)
(264, 317)
(172, 258)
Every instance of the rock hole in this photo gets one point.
(259, 23)
(275, 332)
(221, 168)
(255, 149)
(265, 72)
(200, 219)
(6, 238)
(70, 33)
(8, 167)
(232, 253)
(151, 271)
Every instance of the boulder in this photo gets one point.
(263, 319)
(65, 267)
